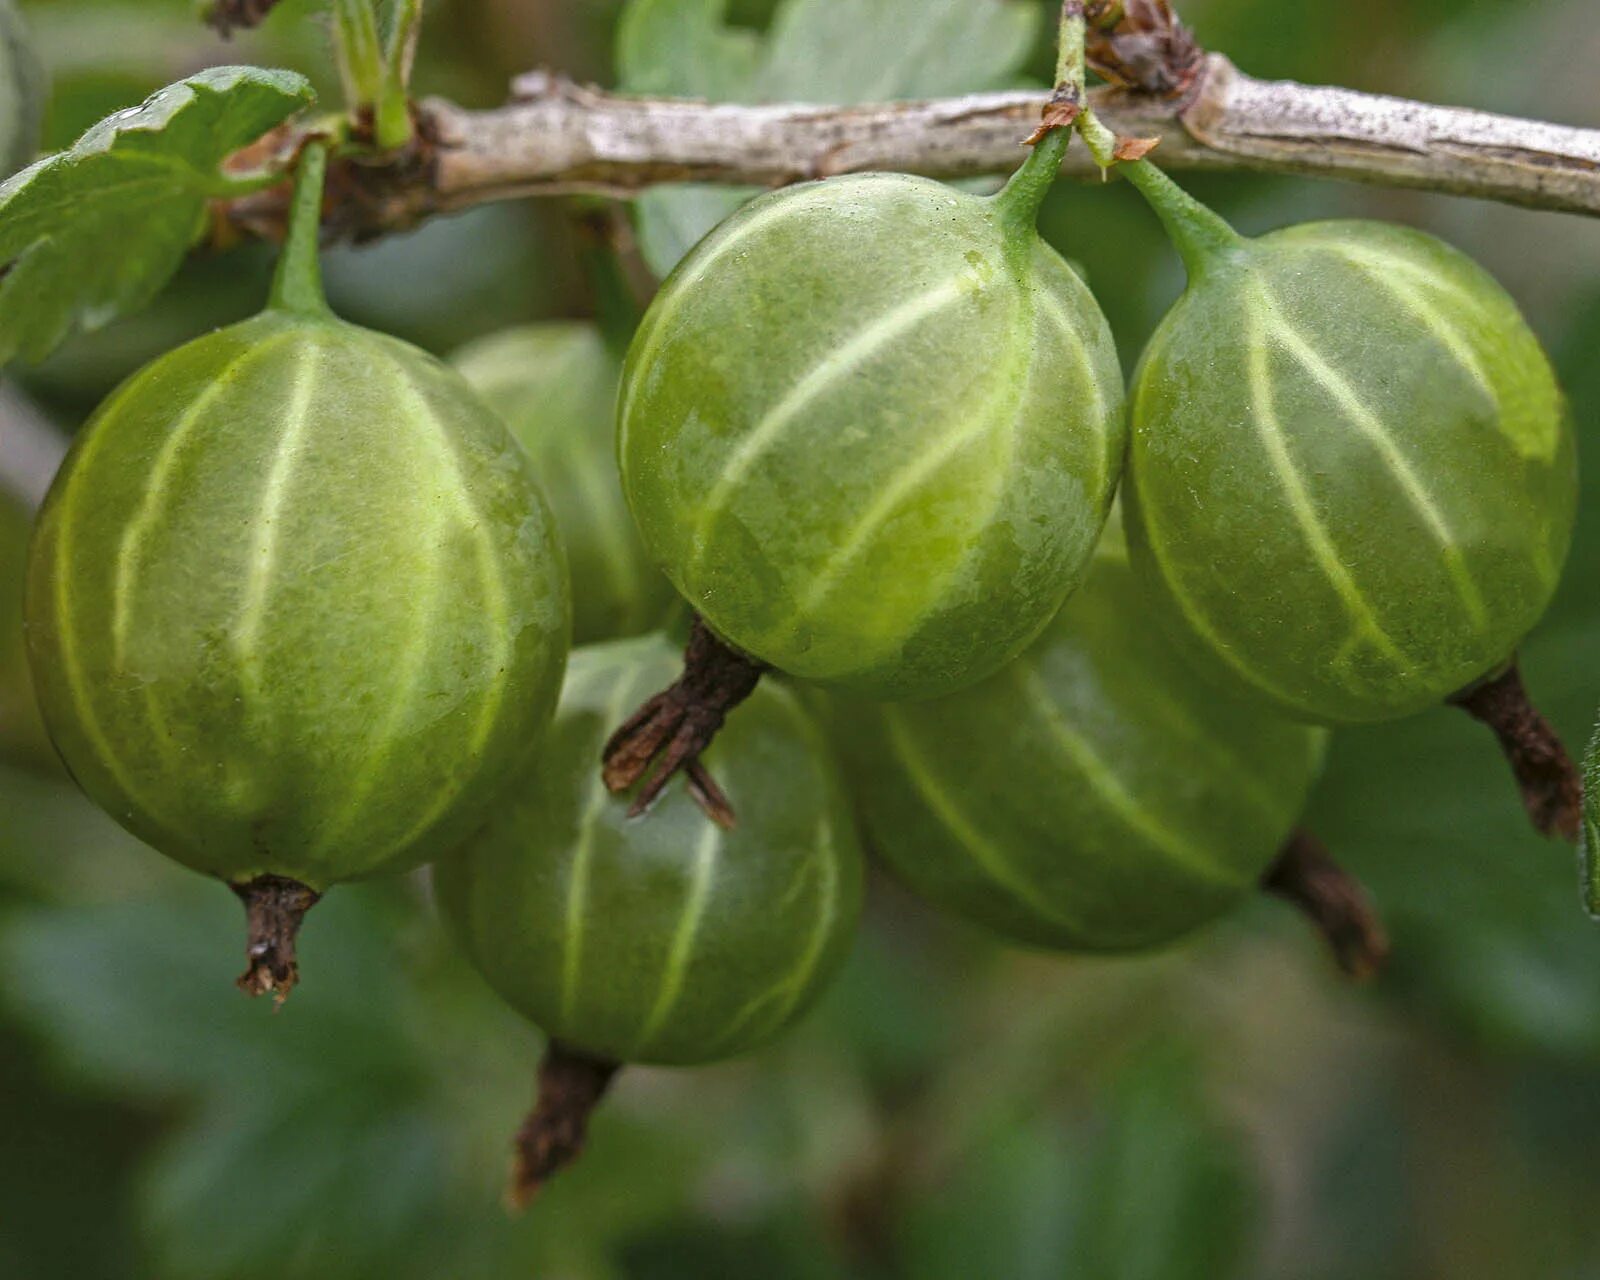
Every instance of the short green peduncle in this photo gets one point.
(1019, 200)
(297, 283)
(1201, 237)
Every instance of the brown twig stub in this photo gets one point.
(571, 1085)
(1306, 876)
(274, 908)
(677, 724)
(1552, 790)
(1140, 45)
(226, 15)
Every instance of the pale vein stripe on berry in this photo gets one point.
(1080, 342)
(1013, 383)
(845, 359)
(583, 853)
(1269, 430)
(986, 857)
(417, 413)
(789, 988)
(409, 666)
(266, 527)
(683, 937)
(72, 669)
(1105, 783)
(150, 510)
(696, 268)
(1344, 395)
(1400, 277)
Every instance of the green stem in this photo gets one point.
(360, 53)
(1020, 198)
(1200, 236)
(297, 283)
(1024, 192)
(1071, 40)
(392, 124)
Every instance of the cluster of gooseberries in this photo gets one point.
(299, 614)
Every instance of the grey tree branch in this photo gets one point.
(556, 137)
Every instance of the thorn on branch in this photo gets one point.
(275, 907)
(678, 723)
(1141, 46)
(1552, 791)
(571, 1085)
(1338, 906)
(225, 15)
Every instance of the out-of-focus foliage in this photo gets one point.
(137, 185)
(813, 51)
(953, 1108)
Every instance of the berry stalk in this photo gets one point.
(1552, 791)
(297, 282)
(1335, 902)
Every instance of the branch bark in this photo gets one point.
(556, 138)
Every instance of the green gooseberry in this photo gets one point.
(295, 606)
(871, 427)
(1094, 794)
(670, 940)
(1350, 467)
(22, 91)
(555, 386)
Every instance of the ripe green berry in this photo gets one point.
(1091, 796)
(871, 427)
(1350, 466)
(295, 606)
(667, 939)
(555, 386)
(22, 91)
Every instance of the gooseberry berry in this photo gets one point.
(1092, 795)
(555, 386)
(871, 426)
(672, 940)
(1351, 471)
(295, 607)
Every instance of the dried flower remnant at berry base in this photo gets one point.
(295, 606)
(1403, 474)
(670, 940)
(870, 428)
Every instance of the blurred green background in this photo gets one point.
(953, 1109)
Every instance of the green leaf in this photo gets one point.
(94, 232)
(837, 51)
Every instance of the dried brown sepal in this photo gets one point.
(1140, 45)
(1552, 790)
(1337, 904)
(1128, 150)
(274, 907)
(571, 1085)
(226, 15)
(677, 724)
(1059, 113)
